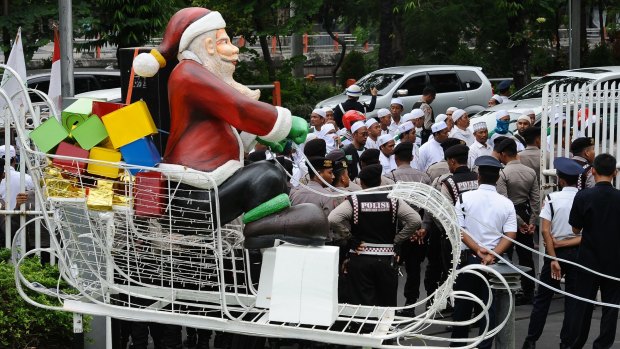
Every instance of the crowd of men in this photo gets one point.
(492, 178)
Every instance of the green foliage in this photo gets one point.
(34, 17)
(600, 55)
(353, 67)
(23, 325)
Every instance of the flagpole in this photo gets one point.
(66, 48)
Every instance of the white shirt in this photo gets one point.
(486, 215)
(562, 202)
(476, 150)
(370, 144)
(505, 99)
(14, 187)
(418, 138)
(465, 135)
(430, 153)
(388, 164)
(491, 141)
(393, 128)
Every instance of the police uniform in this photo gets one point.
(530, 157)
(519, 183)
(373, 220)
(485, 215)
(556, 210)
(431, 151)
(586, 179)
(309, 193)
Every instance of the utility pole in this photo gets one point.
(574, 46)
(296, 48)
(66, 48)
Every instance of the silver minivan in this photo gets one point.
(464, 87)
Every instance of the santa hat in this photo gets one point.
(183, 27)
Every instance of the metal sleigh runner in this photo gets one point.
(145, 242)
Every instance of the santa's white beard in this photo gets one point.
(224, 70)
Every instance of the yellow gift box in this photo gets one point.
(58, 187)
(129, 124)
(104, 154)
(101, 197)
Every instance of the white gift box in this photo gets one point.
(300, 284)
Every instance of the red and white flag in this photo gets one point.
(9, 82)
(54, 91)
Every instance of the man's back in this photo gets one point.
(597, 211)
(530, 157)
(406, 173)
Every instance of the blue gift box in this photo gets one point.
(142, 153)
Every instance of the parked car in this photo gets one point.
(530, 96)
(459, 86)
(107, 95)
(85, 80)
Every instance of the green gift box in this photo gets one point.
(76, 113)
(48, 135)
(90, 132)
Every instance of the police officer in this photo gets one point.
(403, 171)
(583, 152)
(354, 92)
(317, 185)
(374, 239)
(519, 183)
(561, 242)
(530, 156)
(484, 216)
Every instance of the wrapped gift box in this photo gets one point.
(149, 194)
(304, 285)
(59, 187)
(73, 166)
(103, 108)
(104, 154)
(101, 197)
(76, 113)
(129, 124)
(48, 135)
(90, 133)
(142, 153)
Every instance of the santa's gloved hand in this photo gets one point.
(276, 147)
(299, 130)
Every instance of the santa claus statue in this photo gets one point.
(214, 119)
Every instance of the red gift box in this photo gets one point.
(149, 194)
(73, 166)
(103, 108)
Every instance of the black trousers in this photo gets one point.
(249, 187)
(544, 295)
(587, 287)
(372, 280)
(439, 254)
(525, 256)
(463, 308)
(413, 255)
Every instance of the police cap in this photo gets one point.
(371, 175)
(338, 158)
(320, 163)
(507, 144)
(488, 161)
(580, 144)
(404, 147)
(504, 85)
(451, 142)
(456, 151)
(315, 147)
(567, 166)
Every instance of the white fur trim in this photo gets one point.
(211, 21)
(282, 127)
(248, 141)
(200, 179)
(145, 65)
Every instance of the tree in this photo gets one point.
(34, 17)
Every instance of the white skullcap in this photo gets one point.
(457, 114)
(310, 137)
(529, 111)
(451, 110)
(441, 118)
(319, 112)
(354, 91)
(404, 127)
(327, 110)
(397, 101)
(326, 128)
(405, 118)
(524, 117)
(417, 113)
(438, 126)
(500, 114)
(371, 122)
(498, 98)
(383, 112)
(357, 125)
(559, 116)
(479, 126)
(3, 151)
(384, 139)
(342, 132)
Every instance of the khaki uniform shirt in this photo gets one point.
(530, 157)
(437, 169)
(520, 184)
(303, 195)
(405, 173)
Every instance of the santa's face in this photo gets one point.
(227, 51)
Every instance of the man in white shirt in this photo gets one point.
(431, 151)
(485, 216)
(561, 242)
(385, 120)
(480, 146)
(461, 131)
(374, 131)
(10, 192)
(417, 117)
(396, 109)
(447, 119)
(317, 120)
(386, 158)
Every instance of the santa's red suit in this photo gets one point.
(205, 111)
